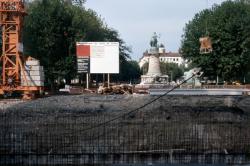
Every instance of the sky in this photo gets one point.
(137, 20)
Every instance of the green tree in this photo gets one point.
(78, 2)
(46, 36)
(133, 72)
(229, 28)
(172, 70)
(52, 29)
(144, 68)
(129, 72)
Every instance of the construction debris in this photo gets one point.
(116, 89)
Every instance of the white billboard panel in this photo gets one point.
(104, 57)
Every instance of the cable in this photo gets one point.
(125, 114)
(139, 108)
(207, 33)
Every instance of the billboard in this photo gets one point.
(103, 56)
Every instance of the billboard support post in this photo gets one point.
(87, 80)
(108, 80)
(103, 79)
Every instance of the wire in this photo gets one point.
(137, 109)
(207, 33)
(121, 116)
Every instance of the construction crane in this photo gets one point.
(12, 13)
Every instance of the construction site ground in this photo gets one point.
(92, 129)
(122, 102)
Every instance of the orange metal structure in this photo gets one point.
(12, 13)
(206, 45)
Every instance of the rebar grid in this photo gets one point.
(153, 136)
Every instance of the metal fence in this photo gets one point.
(150, 136)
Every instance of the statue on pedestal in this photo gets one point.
(154, 75)
(154, 49)
(154, 40)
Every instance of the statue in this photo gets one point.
(154, 40)
(154, 75)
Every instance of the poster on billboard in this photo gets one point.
(83, 58)
(83, 65)
(103, 56)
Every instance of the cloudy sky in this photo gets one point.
(137, 20)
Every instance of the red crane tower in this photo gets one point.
(12, 14)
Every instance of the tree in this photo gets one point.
(78, 2)
(130, 72)
(229, 28)
(52, 29)
(46, 30)
(172, 70)
(144, 68)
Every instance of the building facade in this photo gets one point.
(168, 57)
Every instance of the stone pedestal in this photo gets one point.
(154, 75)
(154, 66)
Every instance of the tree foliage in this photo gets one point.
(229, 28)
(52, 29)
(78, 2)
(172, 70)
(144, 68)
(129, 72)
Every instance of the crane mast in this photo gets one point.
(12, 14)
(11, 19)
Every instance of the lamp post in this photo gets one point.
(171, 76)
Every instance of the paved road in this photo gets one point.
(209, 92)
